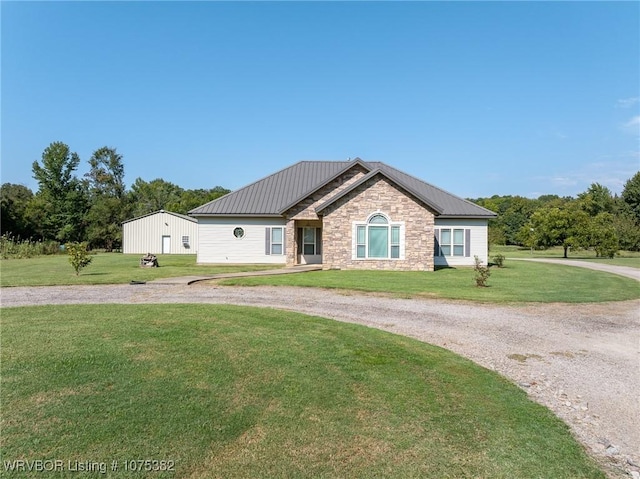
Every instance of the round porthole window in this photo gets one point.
(238, 233)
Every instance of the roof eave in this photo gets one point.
(238, 215)
(472, 217)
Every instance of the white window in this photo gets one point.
(452, 242)
(378, 238)
(185, 240)
(274, 241)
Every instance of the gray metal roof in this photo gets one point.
(275, 194)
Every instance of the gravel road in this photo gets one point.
(582, 361)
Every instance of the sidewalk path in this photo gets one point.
(268, 272)
(627, 271)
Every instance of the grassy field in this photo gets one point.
(625, 258)
(230, 392)
(107, 268)
(518, 281)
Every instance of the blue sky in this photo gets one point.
(479, 98)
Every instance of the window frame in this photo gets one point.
(277, 243)
(305, 243)
(453, 248)
(362, 238)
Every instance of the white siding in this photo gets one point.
(479, 241)
(219, 245)
(144, 235)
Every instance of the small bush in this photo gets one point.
(498, 260)
(482, 273)
(79, 257)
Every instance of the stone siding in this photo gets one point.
(304, 213)
(378, 195)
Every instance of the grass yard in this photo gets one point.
(244, 392)
(625, 258)
(518, 281)
(107, 268)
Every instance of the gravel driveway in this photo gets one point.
(582, 361)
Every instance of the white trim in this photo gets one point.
(366, 224)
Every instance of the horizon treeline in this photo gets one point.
(91, 208)
(595, 219)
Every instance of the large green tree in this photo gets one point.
(602, 235)
(14, 200)
(631, 194)
(554, 226)
(153, 195)
(109, 202)
(597, 199)
(60, 205)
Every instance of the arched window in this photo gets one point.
(378, 238)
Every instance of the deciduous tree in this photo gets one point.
(14, 200)
(631, 194)
(109, 202)
(60, 205)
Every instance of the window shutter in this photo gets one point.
(267, 241)
(318, 240)
(436, 242)
(467, 243)
(299, 240)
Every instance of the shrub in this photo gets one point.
(79, 257)
(498, 260)
(482, 273)
(16, 248)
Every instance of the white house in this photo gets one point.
(343, 215)
(160, 232)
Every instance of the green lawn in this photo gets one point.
(107, 268)
(230, 392)
(518, 281)
(625, 258)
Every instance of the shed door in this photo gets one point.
(166, 244)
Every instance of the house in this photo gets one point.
(160, 232)
(343, 215)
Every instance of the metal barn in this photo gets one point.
(160, 232)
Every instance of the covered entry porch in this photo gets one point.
(308, 241)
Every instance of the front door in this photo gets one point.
(310, 244)
(166, 244)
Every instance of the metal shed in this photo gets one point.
(160, 232)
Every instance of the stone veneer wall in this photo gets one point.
(378, 194)
(304, 212)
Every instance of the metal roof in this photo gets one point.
(276, 193)
(184, 217)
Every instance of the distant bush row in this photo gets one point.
(16, 248)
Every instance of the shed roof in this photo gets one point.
(276, 193)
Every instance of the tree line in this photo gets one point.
(68, 208)
(596, 219)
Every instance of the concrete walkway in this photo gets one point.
(627, 271)
(269, 272)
